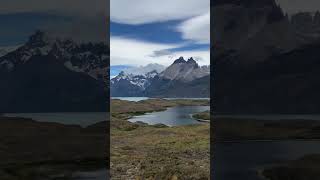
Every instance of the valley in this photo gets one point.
(140, 151)
(182, 79)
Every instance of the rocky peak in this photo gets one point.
(192, 61)
(38, 39)
(185, 71)
(89, 58)
(121, 74)
(152, 74)
(180, 60)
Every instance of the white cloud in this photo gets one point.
(195, 26)
(194, 13)
(125, 51)
(147, 11)
(196, 29)
(135, 52)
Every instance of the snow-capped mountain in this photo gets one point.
(89, 58)
(141, 81)
(181, 74)
(134, 81)
(5, 50)
(51, 74)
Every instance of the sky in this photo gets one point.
(142, 31)
(152, 31)
(81, 20)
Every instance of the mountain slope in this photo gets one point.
(181, 79)
(286, 83)
(265, 61)
(198, 88)
(131, 85)
(51, 75)
(256, 30)
(185, 71)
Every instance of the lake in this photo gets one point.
(174, 116)
(240, 160)
(83, 119)
(91, 175)
(136, 99)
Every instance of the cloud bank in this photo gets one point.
(139, 52)
(196, 29)
(148, 11)
(193, 25)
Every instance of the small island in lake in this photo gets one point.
(202, 116)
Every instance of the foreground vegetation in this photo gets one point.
(141, 151)
(33, 150)
(202, 116)
(240, 130)
(305, 168)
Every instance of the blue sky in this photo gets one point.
(152, 31)
(149, 31)
(142, 31)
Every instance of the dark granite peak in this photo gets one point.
(180, 60)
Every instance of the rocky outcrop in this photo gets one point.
(264, 60)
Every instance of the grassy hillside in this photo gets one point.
(141, 151)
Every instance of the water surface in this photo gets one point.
(174, 116)
(76, 118)
(91, 175)
(274, 116)
(240, 161)
(136, 99)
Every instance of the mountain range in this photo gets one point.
(181, 79)
(265, 60)
(49, 74)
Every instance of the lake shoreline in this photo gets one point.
(143, 150)
(266, 137)
(83, 119)
(171, 116)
